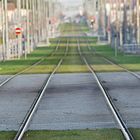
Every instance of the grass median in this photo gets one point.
(102, 134)
(131, 62)
(14, 66)
(72, 63)
(98, 134)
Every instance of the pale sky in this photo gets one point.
(71, 2)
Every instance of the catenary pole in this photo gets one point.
(19, 26)
(3, 32)
(138, 22)
(24, 29)
(27, 27)
(47, 10)
(6, 30)
(31, 24)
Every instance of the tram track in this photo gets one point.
(27, 119)
(83, 57)
(112, 62)
(123, 127)
(30, 67)
(38, 98)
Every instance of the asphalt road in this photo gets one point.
(72, 101)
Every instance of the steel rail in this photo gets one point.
(108, 99)
(113, 63)
(30, 67)
(37, 100)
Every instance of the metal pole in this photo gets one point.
(36, 20)
(116, 49)
(19, 25)
(109, 24)
(117, 27)
(3, 32)
(138, 22)
(27, 26)
(104, 16)
(45, 26)
(24, 30)
(120, 28)
(6, 31)
(39, 20)
(99, 1)
(125, 25)
(47, 23)
(33, 22)
(42, 21)
(50, 17)
(31, 25)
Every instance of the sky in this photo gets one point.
(74, 4)
(71, 2)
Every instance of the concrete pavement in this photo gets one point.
(72, 101)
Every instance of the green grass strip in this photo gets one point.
(102, 134)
